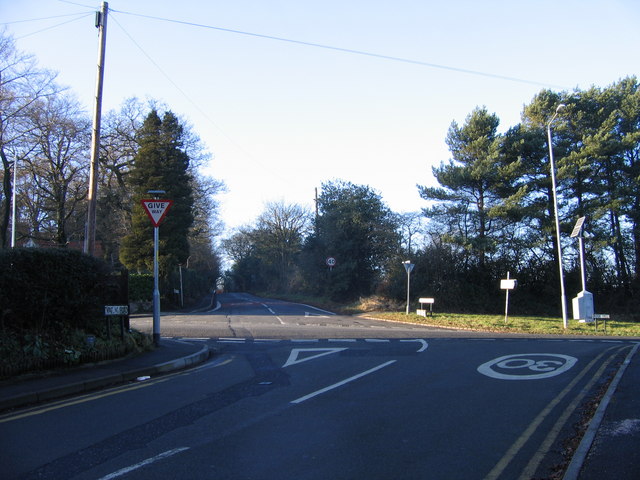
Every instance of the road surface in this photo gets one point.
(389, 401)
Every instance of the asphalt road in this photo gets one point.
(380, 404)
(240, 315)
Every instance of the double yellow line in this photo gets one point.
(530, 469)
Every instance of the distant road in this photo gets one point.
(241, 315)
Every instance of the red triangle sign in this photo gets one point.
(156, 209)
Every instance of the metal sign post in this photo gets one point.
(507, 284)
(156, 210)
(577, 232)
(408, 266)
(331, 262)
(582, 304)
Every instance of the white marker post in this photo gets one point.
(508, 284)
(156, 210)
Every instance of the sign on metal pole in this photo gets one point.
(156, 209)
(507, 284)
(408, 266)
(577, 228)
(116, 310)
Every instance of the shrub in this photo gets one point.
(140, 286)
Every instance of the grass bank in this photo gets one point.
(533, 325)
(384, 309)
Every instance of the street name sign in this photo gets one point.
(115, 310)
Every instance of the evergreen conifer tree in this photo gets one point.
(160, 164)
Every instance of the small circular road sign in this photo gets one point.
(331, 262)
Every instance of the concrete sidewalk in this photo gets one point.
(171, 355)
(610, 448)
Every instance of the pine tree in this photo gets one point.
(473, 185)
(160, 164)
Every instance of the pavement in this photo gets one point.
(610, 448)
(170, 356)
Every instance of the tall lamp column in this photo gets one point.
(563, 300)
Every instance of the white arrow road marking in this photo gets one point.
(311, 314)
(293, 357)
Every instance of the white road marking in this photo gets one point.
(148, 461)
(550, 365)
(423, 342)
(318, 309)
(343, 382)
(293, 357)
(272, 313)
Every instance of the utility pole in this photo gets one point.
(90, 237)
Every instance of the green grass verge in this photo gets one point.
(534, 325)
(383, 309)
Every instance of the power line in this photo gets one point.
(350, 51)
(44, 18)
(78, 16)
(192, 102)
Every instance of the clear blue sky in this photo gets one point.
(280, 118)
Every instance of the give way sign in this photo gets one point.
(156, 209)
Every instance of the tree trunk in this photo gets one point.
(7, 191)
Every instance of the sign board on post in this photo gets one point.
(116, 310)
(577, 229)
(422, 311)
(508, 284)
(156, 209)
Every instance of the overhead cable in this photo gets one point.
(349, 50)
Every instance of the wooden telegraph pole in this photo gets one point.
(90, 237)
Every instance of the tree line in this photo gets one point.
(44, 148)
(492, 212)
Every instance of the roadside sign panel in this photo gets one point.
(508, 284)
(156, 209)
(577, 229)
(114, 310)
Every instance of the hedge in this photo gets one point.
(47, 289)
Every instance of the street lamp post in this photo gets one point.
(563, 301)
(408, 266)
